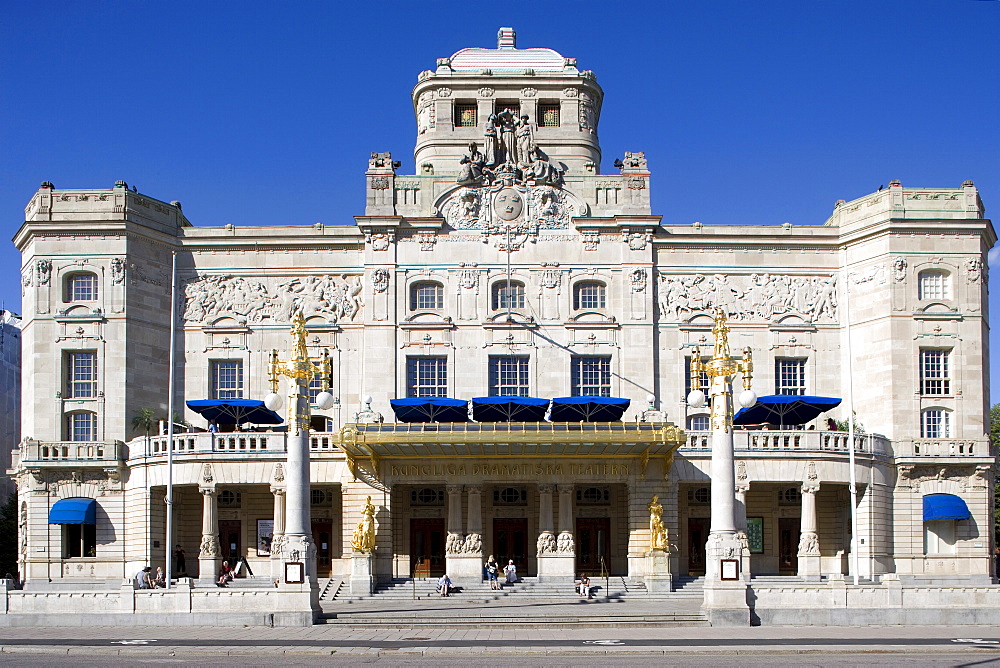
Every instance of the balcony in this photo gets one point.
(236, 444)
(70, 453)
(948, 448)
(794, 440)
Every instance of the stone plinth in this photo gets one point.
(464, 567)
(557, 567)
(658, 577)
(361, 581)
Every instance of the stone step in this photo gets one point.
(407, 620)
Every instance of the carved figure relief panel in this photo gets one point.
(254, 299)
(757, 297)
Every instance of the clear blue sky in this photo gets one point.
(262, 113)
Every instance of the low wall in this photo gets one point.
(178, 606)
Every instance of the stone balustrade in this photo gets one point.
(943, 447)
(236, 443)
(793, 440)
(75, 452)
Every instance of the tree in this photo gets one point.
(144, 420)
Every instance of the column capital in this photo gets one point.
(474, 489)
(277, 491)
(546, 488)
(566, 487)
(809, 487)
(453, 488)
(207, 491)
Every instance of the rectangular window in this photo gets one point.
(315, 387)
(426, 376)
(934, 372)
(933, 285)
(939, 537)
(465, 115)
(703, 381)
(591, 376)
(698, 423)
(79, 540)
(227, 379)
(789, 376)
(83, 288)
(935, 423)
(82, 426)
(81, 375)
(548, 115)
(427, 296)
(508, 376)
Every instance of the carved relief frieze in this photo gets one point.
(767, 297)
(899, 265)
(210, 297)
(425, 112)
(380, 279)
(637, 277)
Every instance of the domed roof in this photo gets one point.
(507, 60)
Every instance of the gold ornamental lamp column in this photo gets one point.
(297, 545)
(723, 543)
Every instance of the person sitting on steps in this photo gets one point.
(444, 585)
(583, 586)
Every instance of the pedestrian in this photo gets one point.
(225, 575)
(142, 579)
(179, 566)
(492, 570)
(444, 585)
(510, 571)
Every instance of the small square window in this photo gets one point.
(548, 115)
(465, 115)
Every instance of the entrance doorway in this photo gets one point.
(229, 538)
(593, 545)
(788, 545)
(427, 547)
(698, 528)
(510, 541)
(322, 531)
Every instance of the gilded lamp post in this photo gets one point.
(296, 544)
(723, 542)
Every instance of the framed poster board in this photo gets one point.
(294, 572)
(265, 533)
(755, 534)
(729, 569)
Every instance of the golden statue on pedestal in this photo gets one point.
(364, 536)
(657, 532)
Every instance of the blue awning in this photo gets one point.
(588, 409)
(235, 411)
(945, 507)
(73, 511)
(785, 409)
(509, 409)
(430, 409)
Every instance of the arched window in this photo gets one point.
(698, 423)
(81, 287)
(934, 284)
(81, 426)
(589, 295)
(426, 295)
(505, 297)
(935, 423)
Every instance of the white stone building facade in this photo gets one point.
(511, 267)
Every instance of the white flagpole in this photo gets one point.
(850, 424)
(170, 417)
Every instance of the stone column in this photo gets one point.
(742, 488)
(297, 543)
(565, 544)
(278, 537)
(552, 564)
(208, 556)
(809, 557)
(464, 553)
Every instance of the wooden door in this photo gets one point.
(510, 541)
(322, 531)
(230, 532)
(427, 547)
(593, 544)
(698, 528)
(788, 545)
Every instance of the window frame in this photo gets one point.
(600, 297)
(458, 113)
(419, 301)
(549, 106)
(219, 391)
(517, 295)
(700, 417)
(75, 426)
(940, 288)
(414, 374)
(78, 541)
(779, 376)
(940, 427)
(577, 372)
(497, 388)
(80, 388)
(934, 375)
(71, 282)
(940, 534)
(703, 380)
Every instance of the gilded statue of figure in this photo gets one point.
(657, 532)
(364, 535)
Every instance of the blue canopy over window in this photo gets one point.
(430, 409)
(73, 511)
(235, 411)
(509, 409)
(945, 507)
(588, 409)
(785, 409)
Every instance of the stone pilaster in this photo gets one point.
(278, 535)
(552, 563)
(742, 488)
(809, 556)
(208, 555)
